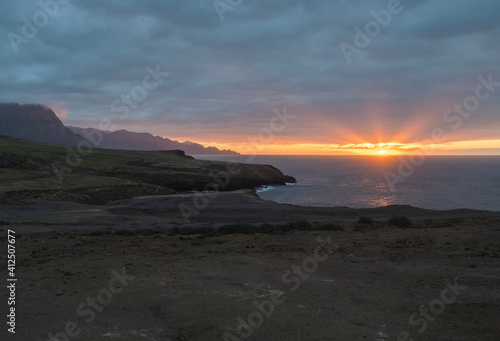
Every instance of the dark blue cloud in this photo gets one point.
(227, 76)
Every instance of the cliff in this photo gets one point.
(34, 122)
(38, 123)
(35, 172)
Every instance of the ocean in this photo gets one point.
(433, 182)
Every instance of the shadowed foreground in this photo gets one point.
(136, 270)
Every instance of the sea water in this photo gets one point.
(433, 182)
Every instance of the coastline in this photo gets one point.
(238, 252)
(163, 212)
(360, 181)
(229, 251)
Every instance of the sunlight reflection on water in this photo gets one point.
(441, 182)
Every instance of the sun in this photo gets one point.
(381, 148)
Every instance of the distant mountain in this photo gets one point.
(39, 123)
(124, 139)
(34, 122)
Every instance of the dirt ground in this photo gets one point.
(117, 272)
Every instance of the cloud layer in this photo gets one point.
(226, 77)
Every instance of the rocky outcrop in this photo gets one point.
(105, 175)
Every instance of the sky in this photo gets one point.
(272, 76)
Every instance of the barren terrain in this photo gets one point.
(137, 270)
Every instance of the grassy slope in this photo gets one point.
(27, 173)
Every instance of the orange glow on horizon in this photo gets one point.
(484, 147)
(325, 134)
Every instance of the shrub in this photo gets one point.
(173, 231)
(399, 221)
(299, 225)
(329, 227)
(273, 229)
(366, 221)
(186, 231)
(362, 227)
(237, 228)
(266, 228)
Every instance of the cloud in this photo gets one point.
(226, 77)
(58, 109)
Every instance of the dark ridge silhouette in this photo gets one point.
(38, 123)
(34, 122)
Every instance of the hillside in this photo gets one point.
(34, 123)
(124, 139)
(34, 172)
(39, 123)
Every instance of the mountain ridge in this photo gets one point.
(39, 123)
